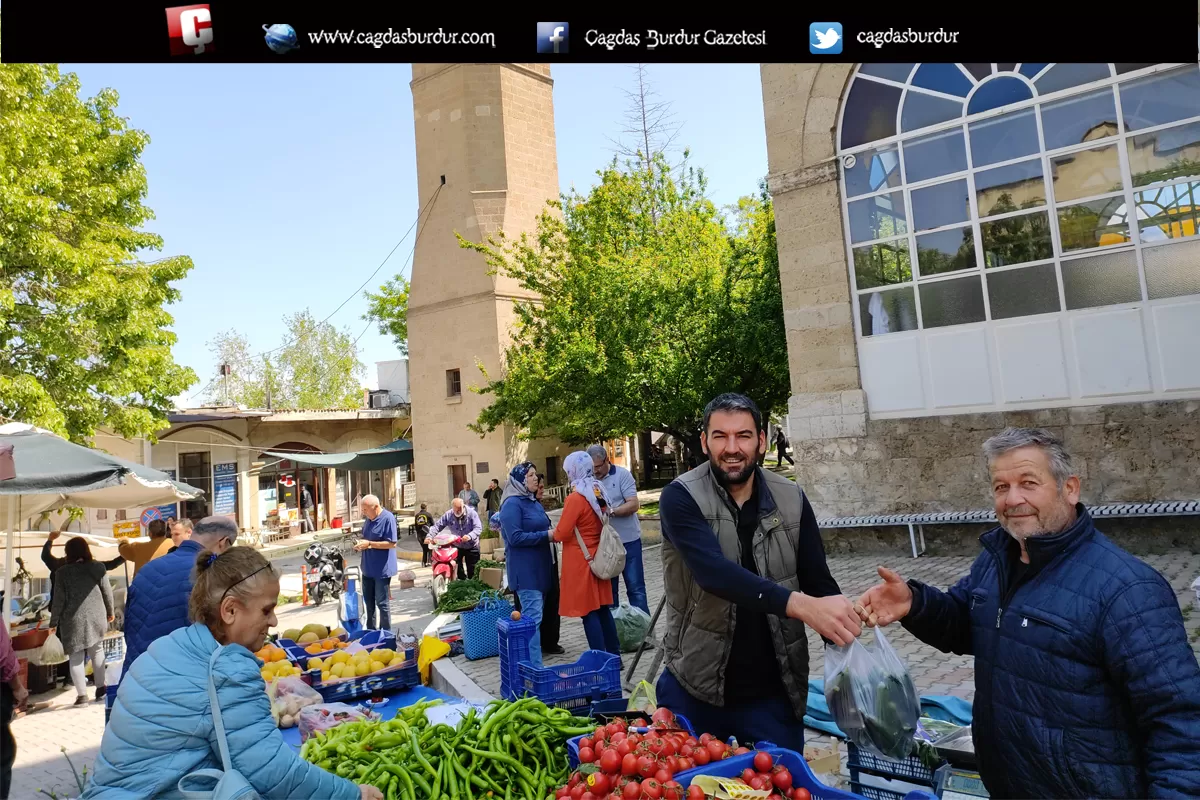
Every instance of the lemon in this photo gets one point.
(377, 665)
(396, 661)
(266, 674)
(326, 676)
(363, 668)
(383, 654)
(341, 658)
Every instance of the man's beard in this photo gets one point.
(727, 478)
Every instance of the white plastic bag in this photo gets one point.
(632, 625)
(288, 697)
(50, 653)
(871, 696)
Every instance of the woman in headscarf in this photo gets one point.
(581, 593)
(525, 529)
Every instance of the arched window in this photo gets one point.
(976, 192)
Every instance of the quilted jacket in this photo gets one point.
(161, 727)
(1085, 684)
(158, 600)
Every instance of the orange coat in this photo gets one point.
(142, 553)
(580, 591)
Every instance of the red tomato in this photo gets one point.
(701, 756)
(598, 783)
(633, 790)
(634, 739)
(640, 722)
(577, 791)
(691, 741)
(673, 764)
(588, 796)
(782, 780)
(763, 761)
(716, 750)
(800, 793)
(664, 717)
(760, 782)
(705, 738)
(686, 764)
(614, 728)
(694, 792)
(747, 774)
(624, 749)
(600, 732)
(646, 766)
(686, 750)
(610, 760)
(575, 778)
(663, 775)
(629, 764)
(741, 751)
(586, 742)
(652, 788)
(672, 790)
(563, 792)
(586, 755)
(619, 737)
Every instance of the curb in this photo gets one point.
(447, 678)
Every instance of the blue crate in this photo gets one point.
(909, 769)
(513, 637)
(880, 793)
(348, 689)
(480, 626)
(801, 775)
(595, 676)
(573, 743)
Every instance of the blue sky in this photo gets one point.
(288, 184)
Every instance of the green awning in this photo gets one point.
(396, 454)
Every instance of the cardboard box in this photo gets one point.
(491, 576)
(486, 546)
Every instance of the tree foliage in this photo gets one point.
(652, 303)
(85, 338)
(317, 366)
(390, 308)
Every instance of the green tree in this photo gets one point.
(85, 338)
(652, 303)
(317, 366)
(390, 308)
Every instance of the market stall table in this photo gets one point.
(396, 701)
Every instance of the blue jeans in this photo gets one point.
(635, 578)
(601, 631)
(531, 609)
(376, 594)
(770, 719)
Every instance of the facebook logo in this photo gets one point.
(552, 37)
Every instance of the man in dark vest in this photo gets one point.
(743, 572)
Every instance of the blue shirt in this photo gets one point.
(157, 603)
(379, 563)
(621, 488)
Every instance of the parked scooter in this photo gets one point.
(326, 570)
(445, 561)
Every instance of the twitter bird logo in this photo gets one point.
(825, 38)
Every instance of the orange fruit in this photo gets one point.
(278, 655)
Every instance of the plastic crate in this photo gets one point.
(910, 769)
(403, 677)
(801, 774)
(602, 717)
(298, 655)
(595, 676)
(513, 637)
(114, 648)
(880, 793)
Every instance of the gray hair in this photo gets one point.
(1014, 438)
(216, 528)
(185, 523)
(597, 451)
(369, 500)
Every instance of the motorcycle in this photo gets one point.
(327, 568)
(445, 561)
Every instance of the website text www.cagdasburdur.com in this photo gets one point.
(407, 36)
(906, 36)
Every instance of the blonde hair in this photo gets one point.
(238, 572)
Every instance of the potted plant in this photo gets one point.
(488, 541)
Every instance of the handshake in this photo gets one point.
(840, 621)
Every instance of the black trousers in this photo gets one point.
(8, 743)
(550, 618)
(783, 455)
(467, 559)
(422, 532)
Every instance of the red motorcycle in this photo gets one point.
(445, 561)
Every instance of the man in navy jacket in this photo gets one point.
(1085, 684)
(158, 597)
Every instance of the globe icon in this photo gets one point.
(281, 38)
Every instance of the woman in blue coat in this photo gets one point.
(526, 532)
(161, 727)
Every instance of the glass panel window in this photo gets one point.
(888, 311)
(936, 155)
(1168, 212)
(1086, 173)
(1172, 270)
(1004, 138)
(941, 77)
(1015, 240)
(879, 217)
(1064, 76)
(946, 251)
(998, 92)
(1101, 280)
(1010, 188)
(953, 302)
(939, 205)
(1099, 223)
(1031, 70)
(922, 110)
(1164, 155)
(882, 264)
(980, 71)
(1159, 99)
(1022, 292)
(1005, 67)
(870, 113)
(894, 72)
(1079, 119)
(873, 170)
(1123, 68)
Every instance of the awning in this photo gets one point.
(396, 454)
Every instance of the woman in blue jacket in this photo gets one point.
(526, 532)
(161, 727)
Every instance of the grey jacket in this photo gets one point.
(82, 604)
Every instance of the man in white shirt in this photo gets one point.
(621, 489)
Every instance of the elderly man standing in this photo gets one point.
(158, 597)
(1085, 684)
(378, 548)
(621, 489)
(462, 520)
(470, 497)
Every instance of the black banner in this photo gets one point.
(231, 32)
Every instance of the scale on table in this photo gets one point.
(958, 779)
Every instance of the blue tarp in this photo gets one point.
(396, 701)
(938, 706)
